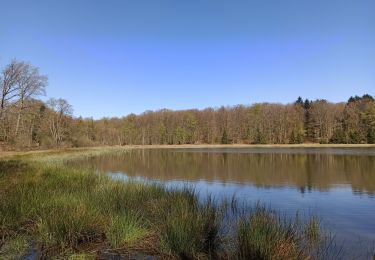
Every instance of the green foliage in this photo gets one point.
(299, 101)
(190, 125)
(296, 136)
(129, 128)
(355, 137)
(180, 135)
(224, 138)
(365, 97)
(371, 136)
(163, 139)
(259, 137)
(307, 104)
(185, 131)
(338, 137)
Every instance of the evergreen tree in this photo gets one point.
(338, 137)
(367, 97)
(299, 101)
(224, 138)
(307, 104)
(355, 138)
(296, 137)
(259, 137)
(371, 136)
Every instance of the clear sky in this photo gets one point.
(112, 58)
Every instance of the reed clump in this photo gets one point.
(264, 234)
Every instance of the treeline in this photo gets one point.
(303, 121)
(26, 121)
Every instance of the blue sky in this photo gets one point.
(112, 58)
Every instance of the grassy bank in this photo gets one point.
(56, 211)
(8, 154)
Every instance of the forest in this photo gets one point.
(27, 122)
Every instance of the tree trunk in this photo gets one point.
(19, 117)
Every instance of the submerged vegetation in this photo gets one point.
(55, 210)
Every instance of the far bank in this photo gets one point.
(4, 154)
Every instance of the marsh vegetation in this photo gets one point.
(60, 211)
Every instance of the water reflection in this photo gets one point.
(304, 171)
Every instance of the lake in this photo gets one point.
(336, 184)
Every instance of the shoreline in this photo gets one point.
(94, 216)
(4, 154)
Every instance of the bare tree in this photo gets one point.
(29, 85)
(60, 112)
(8, 83)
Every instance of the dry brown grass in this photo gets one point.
(9, 154)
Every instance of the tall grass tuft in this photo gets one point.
(265, 234)
(68, 222)
(190, 229)
(125, 231)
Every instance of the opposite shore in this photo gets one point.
(4, 154)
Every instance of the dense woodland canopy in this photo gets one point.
(28, 122)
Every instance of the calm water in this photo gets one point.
(336, 184)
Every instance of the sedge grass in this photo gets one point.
(70, 212)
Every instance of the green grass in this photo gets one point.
(264, 235)
(77, 213)
(190, 228)
(14, 247)
(125, 231)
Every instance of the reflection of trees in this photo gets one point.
(304, 171)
